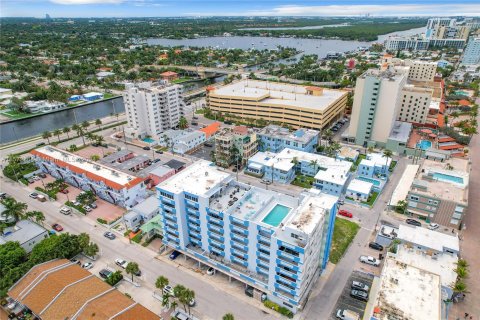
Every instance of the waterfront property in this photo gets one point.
(276, 243)
(330, 174)
(44, 106)
(275, 138)
(295, 106)
(106, 182)
(232, 144)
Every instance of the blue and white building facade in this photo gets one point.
(274, 138)
(471, 55)
(331, 174)
(376, 164)
(273, 242)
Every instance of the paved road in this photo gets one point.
(325, 294)
(211, 302)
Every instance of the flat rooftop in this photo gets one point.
(446, 180)
(95, 171)
(299, 135)
(280, 94)
(401, 190)
(199, 178)
(379, 159)
(400, 131)
(22, 231)
(434, 240)
(407, 292)
(360, 186)
(442, 264)
(348, 153)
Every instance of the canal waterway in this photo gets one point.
(24, 128)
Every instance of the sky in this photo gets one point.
(175, 8)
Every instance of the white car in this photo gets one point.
(65, 210)
(87, 208)
(211, 271)
(369, 260)
(33, 195)
(168, 290)
(433, 226)
(87, 265)
(121, 263)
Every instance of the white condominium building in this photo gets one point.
(275, 243)
(378, 95)
(152, 108)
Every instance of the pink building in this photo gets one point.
(159, 174)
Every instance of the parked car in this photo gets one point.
(42, 175)
(174, 255)
(40, 144)
(87, 265)
(75, 261)
(414, 222)
(208, 144)
(33, 195)
(57, 227)
(87, 208)
(347, 315)
(433, 226)
(156, 160)
(93, 205)
(360, 295)
(357, 285)
(146, 148)
(121, 263)
(194, 123)
(210, 271)
(64, 191)
(41, 198)
(369, 260)
(65, 210)
(375, 246)
(105, 273)
(36, 178)
(77, 204)
(3, 195)
(266, 181)
(341, 201)
(159, 151)
(109, 235)
(31, 181)
(345, 213)
(168, 290)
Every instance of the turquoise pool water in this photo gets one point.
(276, 215)
(149, 140)
(447, 178)
(424, 144)
(376, 183)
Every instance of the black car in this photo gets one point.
(174, 255)
(359, 295)
(104, 273)
(159, 151)
(42, 175)
(375, 246)
(156, 160)
(146, 148)
(414, 222)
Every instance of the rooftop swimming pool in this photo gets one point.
(424, 144)
(447, 178)
(375, 182)
(148, 140)
(276, 215)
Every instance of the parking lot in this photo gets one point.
(347, 302)
(203, 152)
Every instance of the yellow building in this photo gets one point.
(289, 105)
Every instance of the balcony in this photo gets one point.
(263, 255)
(216, 243)
(170, 216)
(238, 246)
(192, 203)
(239, 230)
(215, 221)
(195, 227)
(262, 271)
(197, 234)
(238, 253)
(285, 290)
(167, 201)
(238, 238)
(288, 256)
(264, 239)
(286, 282)
(217, 237)
(214, 228)
(196, 241)
(263, 247)
(239, 261)
(262, 263)
(211, 210)
(239, 222)
(216, 251)
(286, 273)
(194, 220)
(193, 212)
(171, 225)
(171, 230)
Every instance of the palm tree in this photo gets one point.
(98, 122)
(81, 133)
(95, 157)
(188, 295)
(132, 268)
(14, 160)
(67, 130)
(85, 125)
(462, 272)
(459, 287)
(37, 216)
(161, 282)
(388, 154)
(183, 123)
(462, 263)
(314, 164)
(57, 132)
(14, 209)
(228, 316)
(75, 128)
(46, 135)
(178, 292)
(370, 149)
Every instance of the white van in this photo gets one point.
(65, 210)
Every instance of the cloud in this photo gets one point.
(76, 2)
(376, 10)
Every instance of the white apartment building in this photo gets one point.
(471, 55)
(44, 106)
(415, 103)
(273, 242)
(421, 70)
(152, 108)
(110, 184)
(378, 96)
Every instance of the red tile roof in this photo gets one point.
(464, 103)
(168, 74)
(211, 129)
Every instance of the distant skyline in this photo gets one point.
(171, 8)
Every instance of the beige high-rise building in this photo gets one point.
(421, 70)
(415, 103)
(290, 105)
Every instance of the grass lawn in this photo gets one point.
(17, 115)
(200, 111)
(392, 165)
(371, 199)
(359, 159)
(303, 181)
(183, 79)
(343, 235)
